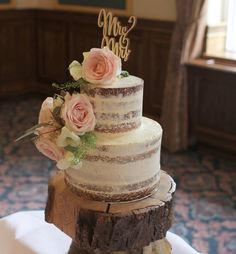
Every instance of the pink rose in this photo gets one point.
(100, 66)
(48, 148)
(45, 116)
(77, 113)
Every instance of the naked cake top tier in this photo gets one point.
(117, 107)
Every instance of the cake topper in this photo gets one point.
(115, 36)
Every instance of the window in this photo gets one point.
(221, 29)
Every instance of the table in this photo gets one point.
(27, 233)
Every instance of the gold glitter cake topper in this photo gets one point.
(115, 36)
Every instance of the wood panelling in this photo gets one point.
(36, 47)
(136, 64)
(159, 51)
(17, 50)
(52, 50)
(212, 97)
(150, 43)
(59, 37)
(82, 38)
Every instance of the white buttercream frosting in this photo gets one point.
(117, 107)
(129, 81)
(121, 161)
(126, 161)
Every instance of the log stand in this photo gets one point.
(136, 227)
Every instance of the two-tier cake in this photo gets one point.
(115, 197)
(109, 195)
(125, 165)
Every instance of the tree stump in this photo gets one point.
(99, 227)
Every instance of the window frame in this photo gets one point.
(223, 57)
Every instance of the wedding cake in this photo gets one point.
(110, 193)
(125, 164)
(95, 131)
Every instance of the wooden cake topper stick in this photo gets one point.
(115, 36)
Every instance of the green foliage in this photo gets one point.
(31, 131)
(88, 141)
(89, 138)
(124, 74)
(71, 149)
(70, 85)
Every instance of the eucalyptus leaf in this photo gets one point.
(36, 126)
(24, 136)
(32, 130)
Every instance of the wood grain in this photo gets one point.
(212, 96)
(110, 226)
(37, 46)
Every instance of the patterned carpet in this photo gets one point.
(205, 214)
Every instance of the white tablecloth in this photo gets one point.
(28, 233)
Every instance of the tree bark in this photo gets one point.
(98, 226)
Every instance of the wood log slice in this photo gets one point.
(107, 227)
(158, 247)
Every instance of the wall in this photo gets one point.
(212, 96)
(10, 5)
(151, 9)
(155, 9)
(46, 37)
(42, 4)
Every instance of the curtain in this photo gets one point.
(187, 44)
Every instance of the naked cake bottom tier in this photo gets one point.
(107, 227)
(121, 167)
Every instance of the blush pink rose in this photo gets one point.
(101, 66)
(77, 113)
(48, 148)
(45, 116)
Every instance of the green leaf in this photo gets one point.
(70, 85)
(88, 141)
(85, 88)
(80, 154)
(71, 149)
(31, 130)
(124, 74)
(89, 138)
(76, 161)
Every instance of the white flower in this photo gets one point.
(75, 69)
(67, 138)
(68, 162)
(85, 54)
